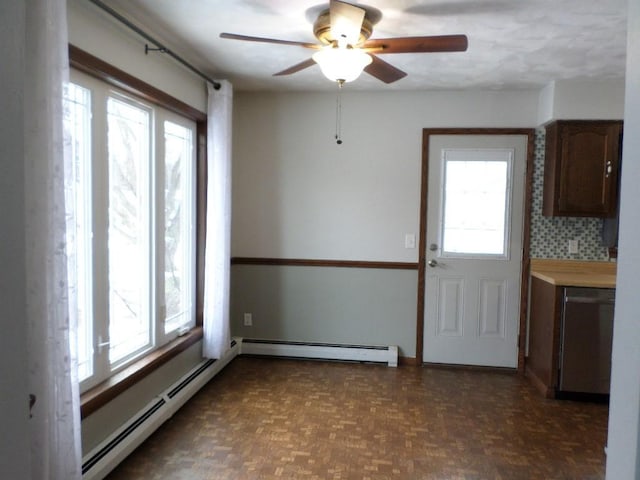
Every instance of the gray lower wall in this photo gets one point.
(103, 422)
(326, 304)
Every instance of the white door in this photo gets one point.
(474, 249)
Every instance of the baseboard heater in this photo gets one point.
(106, 456)
(323, 351)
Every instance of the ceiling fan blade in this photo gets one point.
(234, 36)
(384, 71)
(296, 68)
(442, 43)
(346, 21)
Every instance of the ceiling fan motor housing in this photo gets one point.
(322, 29)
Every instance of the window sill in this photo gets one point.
(98, 396)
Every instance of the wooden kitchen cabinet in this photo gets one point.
(581, 168)
(545, 305)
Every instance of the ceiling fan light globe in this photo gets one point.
(341, 64)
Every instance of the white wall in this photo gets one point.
(14, 412)
(545, 103)
(297, 194)
(99, 34)
(581, 100)
(623, 460)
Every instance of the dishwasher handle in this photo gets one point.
(590, 300)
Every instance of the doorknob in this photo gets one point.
(432, 263)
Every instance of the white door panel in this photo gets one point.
(450, 298)
(474, 236)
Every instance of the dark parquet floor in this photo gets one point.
(290, 419)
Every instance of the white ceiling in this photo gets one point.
(513, 44)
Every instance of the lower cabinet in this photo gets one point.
(545, 310)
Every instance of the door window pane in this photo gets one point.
(77, 125)
(476, 202)
(178, 232)
(129, 229)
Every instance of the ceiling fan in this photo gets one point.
(345, 49)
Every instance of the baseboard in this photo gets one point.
(539, 384)
(320, 351)
(409, 362)
(471, 368)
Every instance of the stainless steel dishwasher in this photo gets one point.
(585, 343)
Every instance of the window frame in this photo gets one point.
(101, 394)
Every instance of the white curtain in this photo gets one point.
(218, 228)
(52, 380)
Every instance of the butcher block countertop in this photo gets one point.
(573, 273)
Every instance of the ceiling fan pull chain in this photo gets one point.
(339, 114)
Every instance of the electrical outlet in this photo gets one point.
(248, 320)
(573, 246)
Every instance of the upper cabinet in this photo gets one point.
(581, 168)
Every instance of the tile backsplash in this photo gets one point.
(550, 235)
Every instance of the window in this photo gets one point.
(477, 190)
(135, 225)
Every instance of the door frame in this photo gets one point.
(526, 234)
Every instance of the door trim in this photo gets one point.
(526, 236)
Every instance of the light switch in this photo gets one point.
(410, 240)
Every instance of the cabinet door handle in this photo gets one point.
(609, 169)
